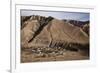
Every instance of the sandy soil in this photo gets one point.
(29, 56)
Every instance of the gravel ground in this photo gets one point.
(43, 55)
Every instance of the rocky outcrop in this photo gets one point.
(86, 28)
(76, 23)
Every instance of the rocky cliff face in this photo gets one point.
(43, 32)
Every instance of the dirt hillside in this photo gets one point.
(38, 32)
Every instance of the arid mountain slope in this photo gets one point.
(51, 32)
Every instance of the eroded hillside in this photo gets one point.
(48, 39)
